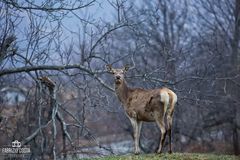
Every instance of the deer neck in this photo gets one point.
(122, 92)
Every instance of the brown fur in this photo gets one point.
(151, 105)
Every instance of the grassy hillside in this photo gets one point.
(175, 156)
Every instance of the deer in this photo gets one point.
(145, 105)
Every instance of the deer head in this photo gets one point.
(117, 73)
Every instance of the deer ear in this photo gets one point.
(126, 68)
(109, 68)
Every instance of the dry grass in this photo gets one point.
(174, 156)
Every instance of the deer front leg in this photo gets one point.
(136, 134)
(139, 124)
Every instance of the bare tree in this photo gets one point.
(224, 27)
(33, 37)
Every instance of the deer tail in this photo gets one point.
(172, 103)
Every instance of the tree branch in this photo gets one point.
(46, 67)
(47, 9)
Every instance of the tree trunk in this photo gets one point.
(236, 38)
(235, 66)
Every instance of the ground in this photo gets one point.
(174, 156)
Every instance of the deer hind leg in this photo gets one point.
(136, 134)
(169, 131)
(159, 117)
(169, 122)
